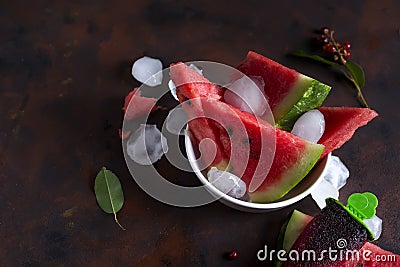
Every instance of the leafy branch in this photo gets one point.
(339, 60)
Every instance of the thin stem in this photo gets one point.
(116, 220)
(342, 60)
(349, 73)
(359, 93)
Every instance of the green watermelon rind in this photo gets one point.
(312, 98)
(295, 93)
(290, 231)
(281, 237)
(291, 177)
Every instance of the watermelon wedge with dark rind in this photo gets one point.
(341, 123)
(297, 221)
(322, 233)
(190, 87)
(289, 92)
(293, 158)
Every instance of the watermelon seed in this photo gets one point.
(247, 141)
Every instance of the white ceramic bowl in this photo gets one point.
(300, 191)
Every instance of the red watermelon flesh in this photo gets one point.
(341, 123)
(249, 144)
(191, 84)
(374, 255)
(294, 158)
(323, 232)
(289, 92)
(191, 87)
(278, 79)
(137, 105)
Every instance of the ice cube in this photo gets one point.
(172, 89)
(199, 71)
(148, 71)
(310, 126)
(375, 225)
(337, 173)
(246, 95)
(146, 145)
(176, 121)
(172, 86)
(335, 178)
(227, 183)
(323, 191)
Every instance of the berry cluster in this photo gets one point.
(338, 52)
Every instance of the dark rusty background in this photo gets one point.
(64, 71)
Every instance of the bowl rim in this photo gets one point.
(241, 203)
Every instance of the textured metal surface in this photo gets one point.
(64, 70)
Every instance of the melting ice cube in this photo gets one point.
(335, 178)
(148, 71)
(146, 145)
(176, 121)
(172, 89)
(323, 191)
(199, 71)
(246, 94)
(375, 225)
(337, 173)
(227, 183)
(310, 126)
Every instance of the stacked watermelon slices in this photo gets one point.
(252, 148)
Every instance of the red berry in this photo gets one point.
(335, 57)
(347, 54)
(329, 48)
(233, 254)
(321, 38)
(347, 46)
(325, 30)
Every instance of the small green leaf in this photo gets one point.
(357, 72)
(304, 54)
(109, 193)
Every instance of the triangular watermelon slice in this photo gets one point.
(289, 92)
(291, 162)
(341, 123)
(190, 88)
(251, 138)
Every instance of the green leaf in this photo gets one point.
(357, 72)
(304, 54)
(109, 193)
